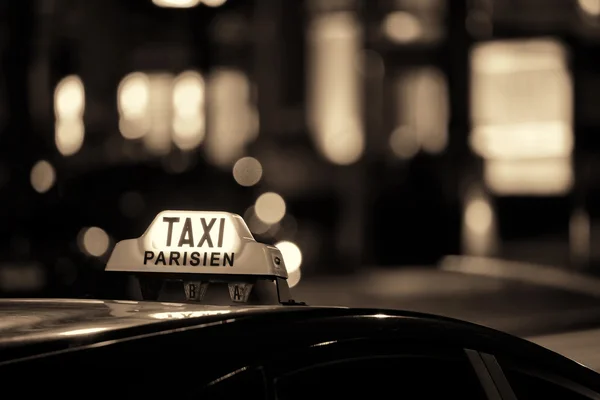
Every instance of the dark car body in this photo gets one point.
(112, 349)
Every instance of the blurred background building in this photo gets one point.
(350, 133)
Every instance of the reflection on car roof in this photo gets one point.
(40, 319)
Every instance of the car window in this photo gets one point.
(243, 384)
(528, 386)
(381, 377)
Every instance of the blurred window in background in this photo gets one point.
(162, 108)
(334, 91)
(522, 116)
(422, 113)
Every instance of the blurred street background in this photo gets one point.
(433, 155)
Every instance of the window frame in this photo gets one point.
(317, 357)
(552, 379)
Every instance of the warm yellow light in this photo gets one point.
(521, 100)
(188, 133)
(479, 232)
(335, 87)
(479, 216)
(69, 135)
(134, 128)
(523, 140)
(402, 27)
(404, 142)
(270, 208)
(188, 94)
(214, 3)
(294, 277)
(422, 113)
(42, 176)
(543, 177)
(591, 7)
(292, 256)
(344, 147)
(176, 3)
(134, 95)
(95, 241)
(232, 116)
(247, 171)
(69, 98)
(158, 139)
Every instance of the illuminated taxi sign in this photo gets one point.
(188, 241)
(197, 242)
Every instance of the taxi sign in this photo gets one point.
(199, 247)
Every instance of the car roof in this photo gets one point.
(35, 320)
(30, 328)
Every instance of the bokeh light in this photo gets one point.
(69, 136)
(134, 95)
(176, 3)
(188, 94)
(479, 215)
(95, 241)
(402, 27)
(292, 256)
(270, 208)
(69, 106)
(69, 98)
(214, 3)
(591, 7)
(42, 176)
(404, 143)
(247, 171)
(294, 278)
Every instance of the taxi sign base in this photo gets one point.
(150, 287)
(195, 290)
(268, 290)
(240, 292)
(283, 291)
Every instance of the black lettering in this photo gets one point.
(160, 258)
(184, 262)
(236, 293)
(206, 235)
(214, 260)
(228, 259)
(195, 259)
(148, 255)
(205, 258)
(192, 290)
(170, 221)
(187, 236)
(174, 258)
(221, 232)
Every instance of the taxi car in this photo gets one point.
(239, 334)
